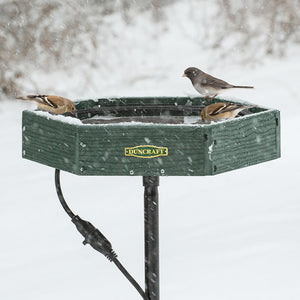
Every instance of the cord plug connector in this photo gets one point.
(94, 237)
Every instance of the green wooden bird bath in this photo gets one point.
(153, 141)
(149, 137)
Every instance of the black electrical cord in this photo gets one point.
(130, 278)
(94, 237)
(61, 196)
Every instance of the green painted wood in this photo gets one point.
(193, 150)
(50, 142)
(107, 144)
(243, 142)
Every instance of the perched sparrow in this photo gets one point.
(208, 85)
(222, 111)
(53, 104)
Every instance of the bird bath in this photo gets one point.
(149, 137)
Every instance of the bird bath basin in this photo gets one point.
(116, 125)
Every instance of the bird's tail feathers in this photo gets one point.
(243, 87)
(30, 97)
(35, 98)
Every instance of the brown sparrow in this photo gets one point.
(53, 104)
(208, 85)
(222, 111)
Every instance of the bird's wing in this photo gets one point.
(48, 101)
(215, 82)
(225, 107)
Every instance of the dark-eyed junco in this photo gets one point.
(222, 111)
(53, 104)
(208, 85)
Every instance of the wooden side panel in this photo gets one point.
(49, 142)
(244, 141)
(102, 150)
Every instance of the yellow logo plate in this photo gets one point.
(146, 151)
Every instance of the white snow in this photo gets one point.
(69, 120)
(231, 236)
(210, 150)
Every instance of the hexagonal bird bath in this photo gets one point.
(149, 137)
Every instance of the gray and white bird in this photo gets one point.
(208, 85)
(54, 104)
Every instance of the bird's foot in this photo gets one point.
(212, 98)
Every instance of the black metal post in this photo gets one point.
(151, 236)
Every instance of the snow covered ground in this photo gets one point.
(231, 236)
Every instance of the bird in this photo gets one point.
(208, 85)
(222, 111)
(54, 104)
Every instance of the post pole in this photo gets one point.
(151, 184)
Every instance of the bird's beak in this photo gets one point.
(184, 75)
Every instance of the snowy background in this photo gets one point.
(231, 236)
